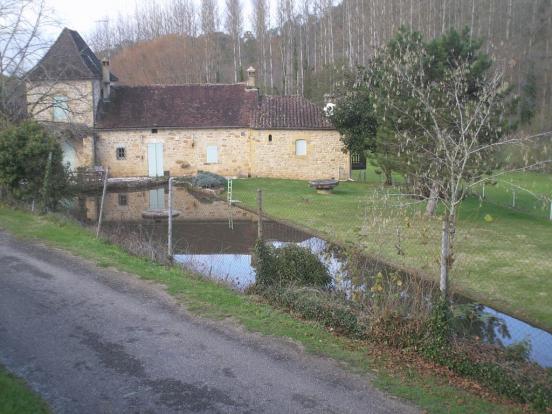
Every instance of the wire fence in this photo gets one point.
(513, 196)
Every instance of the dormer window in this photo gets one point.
(61, 108)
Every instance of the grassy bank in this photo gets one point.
(502, 256)
(429, 391)
(17, 398)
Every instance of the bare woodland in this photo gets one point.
(307, 47)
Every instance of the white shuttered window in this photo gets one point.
(300, 147)
(212, 154)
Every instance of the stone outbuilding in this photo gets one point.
(155, 130)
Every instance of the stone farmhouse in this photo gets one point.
(156, 130)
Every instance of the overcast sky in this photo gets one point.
(82, 16)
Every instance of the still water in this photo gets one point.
(217, 240)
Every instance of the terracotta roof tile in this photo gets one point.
(206, 106)
(294, 112)
(179, 106)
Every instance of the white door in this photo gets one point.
(155, 159)
(69, 155)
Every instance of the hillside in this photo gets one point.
(308, 47)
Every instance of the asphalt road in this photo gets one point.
(91, 340)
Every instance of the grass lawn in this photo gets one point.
(503, 257)
(209, 299)
(17, 398)
(533, 192)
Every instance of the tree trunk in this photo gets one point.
(388, 177)
(445, 256)
(433, 199)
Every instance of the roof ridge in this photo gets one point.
(180, 84)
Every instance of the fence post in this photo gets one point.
(514, 198)
(169, 235)
(102, 202)
(550, 210)
(483, 195)
(259, 214)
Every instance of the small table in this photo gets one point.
(323, 186)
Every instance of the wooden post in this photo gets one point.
(514, 198)
(259, 214)
(102, 202)
(169, 235)
(550, 210)
(483, 196)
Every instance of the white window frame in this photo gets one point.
(60, 108)
(300, 148)
(212, 154)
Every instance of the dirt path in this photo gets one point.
(95, 341)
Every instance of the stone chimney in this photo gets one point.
(251, 78)
(106, 79)
(329, 104)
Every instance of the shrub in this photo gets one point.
(521, 382)
(518, 351)
(205, 179)
(405, 321)
(290, 265)
(24, 167)
(332, 311)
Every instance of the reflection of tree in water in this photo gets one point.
(470, 319)
(371, 281)
(366, 278)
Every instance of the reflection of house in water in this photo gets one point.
(202, 227)
(130, 206)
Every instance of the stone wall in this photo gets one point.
(80, 100)
(241, 152)
(276, 157)
(184, 151)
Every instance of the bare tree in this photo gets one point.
(453, 135)
(234, 26)
(22, 42)
(260, 21)
(209, 25)
(316, 41)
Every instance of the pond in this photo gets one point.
(216, 240)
